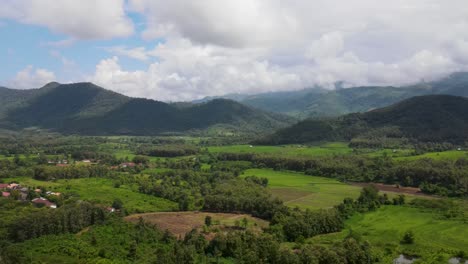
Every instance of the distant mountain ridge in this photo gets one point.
(430, 118)
(85, 108)
(316, 102)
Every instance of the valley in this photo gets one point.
(154, 182)
(124, 180)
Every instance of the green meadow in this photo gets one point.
(444, 155)
(287, 150)
(304, 191)
(102, 191)
(436, 238)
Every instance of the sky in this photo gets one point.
(183, 50)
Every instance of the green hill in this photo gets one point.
(431, 118)
(317, 102)
(85, 108)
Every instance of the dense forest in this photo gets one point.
(435, 118)
(85, 108)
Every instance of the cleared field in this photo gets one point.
(304, 191)
(288, 150)
(435, 237)
(180, 223)
(103, 191)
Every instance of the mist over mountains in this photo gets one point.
(316, 102)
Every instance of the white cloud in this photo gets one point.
(84, 19)
(186, 71)
(31, 77)
(212, 47)
(138, 53)
(329, 45)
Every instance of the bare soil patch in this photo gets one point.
(180, 223)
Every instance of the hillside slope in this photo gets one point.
(318, 102)
(431, 118)
(85, 108)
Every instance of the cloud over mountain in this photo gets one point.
(192, 49)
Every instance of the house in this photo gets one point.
(45, 202)
(127, 164)
(13, 186)
(3, 186)
(61, 165)
(110, 209)
(6, 194)
(86, 161)
(37, 190)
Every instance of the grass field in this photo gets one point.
(288, 150)
(434, 237)
(103, 191)
(179, 223)
(445, 155)
(304, 191)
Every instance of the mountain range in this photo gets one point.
(430, 118)
(85, 108)
(317, 102)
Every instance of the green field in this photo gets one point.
(435, 237)
(304, 191)
(103, 191)
(288, 150)
(444, 155)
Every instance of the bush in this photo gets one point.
(408, 237)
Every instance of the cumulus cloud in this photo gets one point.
(186, 71)
(31, 77)
(84, 19)
(213, 47)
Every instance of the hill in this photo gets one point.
(317, 102)
(85, 108)
(431, 118)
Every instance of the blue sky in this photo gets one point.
(183, 50)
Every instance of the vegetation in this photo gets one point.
(435, 118)
(319, 103)
(87, 109)
(304, 191)
(174, 199)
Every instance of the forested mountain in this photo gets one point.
(316, 102)
(89, 109)
(430, 118)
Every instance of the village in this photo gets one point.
(17, 192)
(41, 197)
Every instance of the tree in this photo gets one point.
(208, 220)
(140, 160)
(245, 222)
(408, 237)
(117, 204)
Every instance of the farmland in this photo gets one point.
(436, 238)
(304, 191)
(287, 150)
(180, 223)
(103, 191)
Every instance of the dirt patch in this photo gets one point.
(180, 223)
(394, 188)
